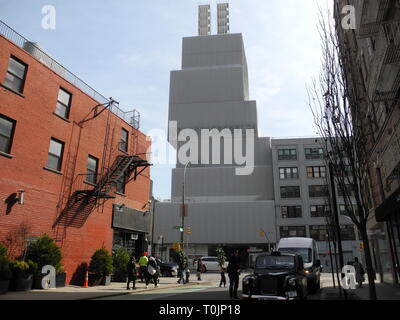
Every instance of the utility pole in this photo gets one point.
(183, 211)
(336, 220)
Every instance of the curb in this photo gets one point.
(144, 290)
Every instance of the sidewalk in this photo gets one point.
(383, 291)
(79, 293)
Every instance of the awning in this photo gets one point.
(390, 206)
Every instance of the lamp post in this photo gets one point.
(183, 211)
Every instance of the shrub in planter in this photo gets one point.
(22, 275)
(44, 251)
(120, 260)
(5, 275)
(100, 268)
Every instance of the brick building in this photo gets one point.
(72, 163)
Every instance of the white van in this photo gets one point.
(307, 248)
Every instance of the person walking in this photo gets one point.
(143, 261)
(200, 269)
(182, 263)
(131, 271)
(233, 273)
(152, 272)
(359, 272)
(223, 278)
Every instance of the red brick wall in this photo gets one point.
(36, 124)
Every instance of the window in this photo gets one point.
(314, 153)
(292, 231)
(290, 192)
(346, 190)
(316, 172)
(54, 159)
(15, 76)
(320, 211)
(121, 184)
(287, 154)
(291, 212)
(91, 170)
(7, 126)
(63, 103)
(347, 232)
(123, 145)
(318, 233)
(318, 191)
(343, 210)
(288, 173)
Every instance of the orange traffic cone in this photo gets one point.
(86, 283)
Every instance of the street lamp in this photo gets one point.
(183, 204)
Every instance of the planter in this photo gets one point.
(98, 280)
(61, 279)
(21, 282)
(4, 284)
(119, 277)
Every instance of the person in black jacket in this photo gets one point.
(131, 272)
(152, 273)
(233, 273)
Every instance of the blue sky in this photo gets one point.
(126, 49)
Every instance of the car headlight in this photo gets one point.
(307, 271)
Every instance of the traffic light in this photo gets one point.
(188, 230)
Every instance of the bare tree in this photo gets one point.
(338, 114)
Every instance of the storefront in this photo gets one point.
(389, 213)
(131, 229)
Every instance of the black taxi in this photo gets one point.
(277, 276)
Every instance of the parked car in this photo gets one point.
(211, 263)
(307, 248)
(277, 276)
(167, 269)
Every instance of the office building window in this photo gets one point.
(290, 192)
(318, 233)
(314, 153)
(121, 184)
(7, 126)
(123, 145)
(15, 76)
(344, 210)
(91, 170)
(347, 232)
(292, 231)
(288, 173)
(316, 172)
(291, 212)
(63, 103)
(287, 154)
(319, 211)
(318, 191)
(54, 159)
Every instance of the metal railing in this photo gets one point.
(131, 117)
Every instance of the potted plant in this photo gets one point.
(44, 251)
(120, 258)
(5, 272)
(100, 268)
(22, 275)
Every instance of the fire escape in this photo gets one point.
(79, 198)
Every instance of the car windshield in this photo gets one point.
(275, 262)
(305, 253)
